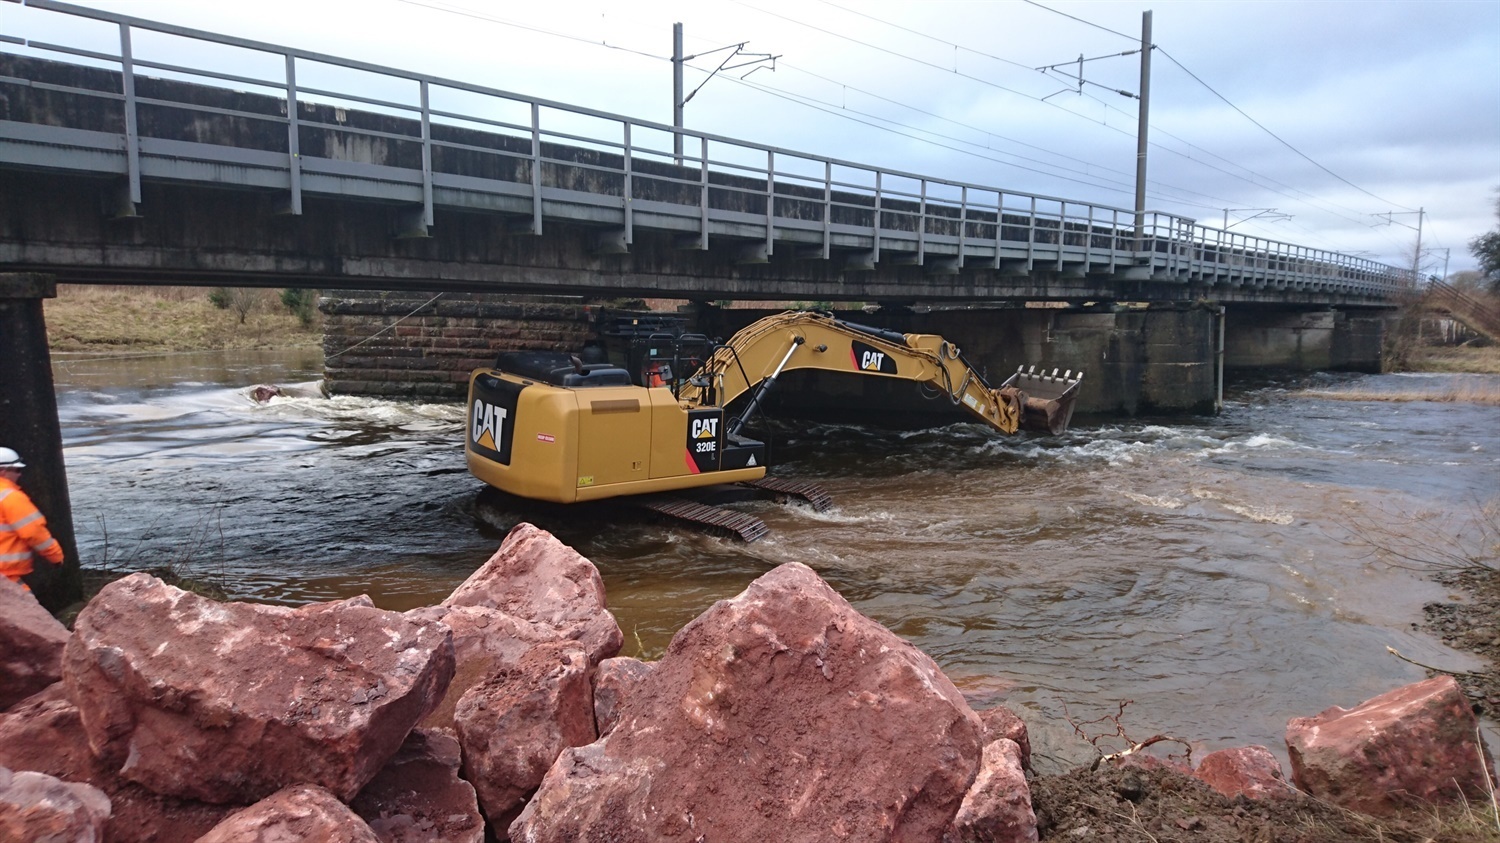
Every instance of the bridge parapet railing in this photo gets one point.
(310, 123)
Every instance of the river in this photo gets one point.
(1199, 567)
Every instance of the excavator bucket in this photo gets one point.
(1049, 398)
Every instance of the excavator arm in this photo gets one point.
(758, 354)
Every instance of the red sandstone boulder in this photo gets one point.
(45, 734)
(614, 681)
(781, 714)
(513, 726)
(1001, 722)
(997, 808)
(31, 645)
(1249, 770)
(485, 641)
(297, 813)
(419, 798)
(534, 590)
(1414, 746)
(229, 702)
(537, 578)
(38, 808)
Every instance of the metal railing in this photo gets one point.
(1482, 317)
(521, 166)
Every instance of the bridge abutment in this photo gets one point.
(422, 346)
(29, 424)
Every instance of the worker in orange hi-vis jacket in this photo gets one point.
(23, 530)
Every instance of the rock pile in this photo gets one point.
(189, 719)
(505, 713)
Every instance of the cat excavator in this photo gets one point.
(549, 427)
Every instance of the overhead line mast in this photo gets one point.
(1142, 127)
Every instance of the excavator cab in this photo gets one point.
(667, 359)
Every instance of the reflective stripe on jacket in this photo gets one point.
(23, 532)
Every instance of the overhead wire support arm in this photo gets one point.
(1078, 77)
(1268, 214)
(679, 61)
(739, 50)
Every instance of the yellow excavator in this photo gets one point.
(548, 426)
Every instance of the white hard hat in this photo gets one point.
(10, 459)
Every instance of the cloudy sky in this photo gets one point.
(1344, 117)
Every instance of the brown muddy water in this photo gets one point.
(1199, 567)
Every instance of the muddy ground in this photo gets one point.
(1164, 806)
(1472, 625)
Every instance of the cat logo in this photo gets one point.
(488, 425)
(867, 358)
(703, 440)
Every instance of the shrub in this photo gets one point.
(302, 303)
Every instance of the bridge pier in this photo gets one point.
(1135, 359)
(1304, 340)
(28, 423)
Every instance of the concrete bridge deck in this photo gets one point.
(154, 172)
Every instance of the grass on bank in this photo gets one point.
(150, 319)
(1462, 392)
(1471, 360)
(1474, 360)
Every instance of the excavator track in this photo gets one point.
(802, 490)
(747, 528)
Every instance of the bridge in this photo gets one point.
(213, 175)
(119, 168)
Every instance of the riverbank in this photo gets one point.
(1473, 625)
(143, 320)
(1479, 360)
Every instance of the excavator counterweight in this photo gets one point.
(546, 426)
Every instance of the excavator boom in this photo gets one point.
(756, 355)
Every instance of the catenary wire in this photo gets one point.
(921, 34)
(1306, 197)
(982, 131)
(461, 11)
(1082, 21)
(458, 10)
(1126, 188)
(971, 77)
(1278, 138)
(469, 13)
